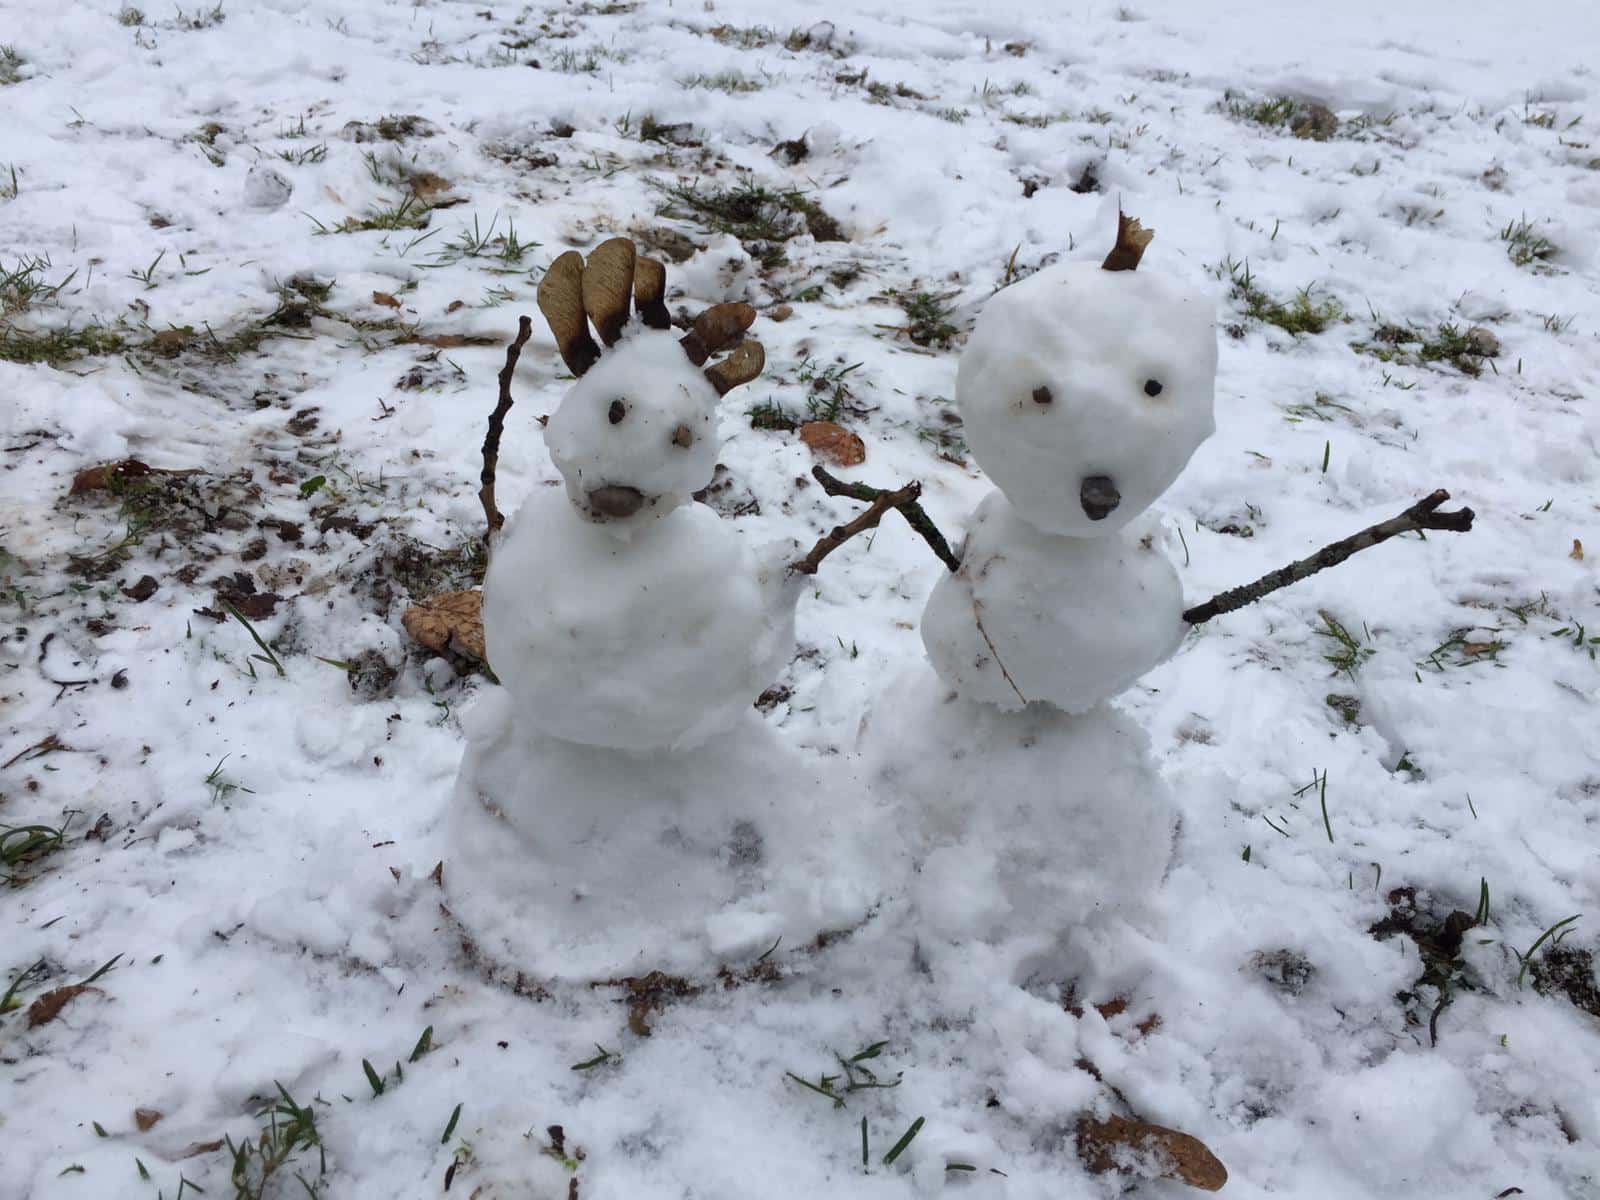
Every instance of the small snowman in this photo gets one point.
(1084, 391)
(619, 802)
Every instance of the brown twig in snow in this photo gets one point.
(1419, 516)
(840, 534)
(916, 516)
(497, 420)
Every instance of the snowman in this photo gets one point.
(619, 804)
(1084, 390)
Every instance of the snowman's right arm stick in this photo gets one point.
(1419, 516)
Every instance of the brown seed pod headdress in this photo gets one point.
(575, 292)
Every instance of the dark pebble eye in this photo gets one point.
(1152, 387)
(1041, 395)
(616, 412)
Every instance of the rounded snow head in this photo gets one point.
(1036, 616)
(660, 641)
(636, 436)
(1084, 393)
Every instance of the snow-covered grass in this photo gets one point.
(282, 245)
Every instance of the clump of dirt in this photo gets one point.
(398, 569)
(1286, 970)
(1567, 971)
(1438, 941)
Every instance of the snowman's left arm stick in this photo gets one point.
(882, 502)
(1421, 515)
(497, 421)
(905, 500)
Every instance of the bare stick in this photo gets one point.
(1419, 516)
(916, 516)
(977, 615)
(840, 534)
(497, 421)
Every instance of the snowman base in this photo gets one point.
(577, 862)
(1034, 830)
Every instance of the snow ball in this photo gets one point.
(1071, 621)
(1086, 391)
(657, 641)
(266, 188)
(636, 436)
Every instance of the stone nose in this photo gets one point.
(615, 501)
(1099, 496)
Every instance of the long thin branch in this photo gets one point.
(916, 516)
(840, 534)
(497, 420)
(1419, 516)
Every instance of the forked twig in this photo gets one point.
(1419, 516)
(916, 516)
(840, 534)
(497, 420)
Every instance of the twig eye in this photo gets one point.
(616, 412)
(1152, 387)
(1041, 395)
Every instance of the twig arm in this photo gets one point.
(916, 516)
(497, 420)
(1423, 514)
(840, 534)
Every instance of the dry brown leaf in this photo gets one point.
(607, 286)
(1476, 648)
(455, 306)
(427, 186)
(385, 299)
(1577, 550)
(743, 365)
(560, 299)
(146, 1118)
(48, 1006)
(449, 624)
(200, 1148)
(833, 443)
(1108, 1145)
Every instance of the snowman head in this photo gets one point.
(1085, 389)
(636, 435)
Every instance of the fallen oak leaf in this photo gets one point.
(833, 443)
(1121, 1144)
(385, 299)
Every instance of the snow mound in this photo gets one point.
(582, 862)
(1027, 830)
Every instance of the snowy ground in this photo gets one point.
(254, 847)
